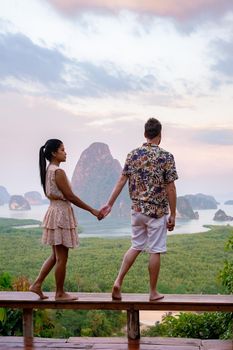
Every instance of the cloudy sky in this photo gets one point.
(95, 70)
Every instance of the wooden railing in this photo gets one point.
(131, 303)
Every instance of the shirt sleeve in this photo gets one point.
(170, 173)
(128, 166)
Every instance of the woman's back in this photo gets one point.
(52, 191)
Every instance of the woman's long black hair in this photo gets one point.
(46, 151)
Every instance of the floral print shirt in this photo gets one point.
(149, 169)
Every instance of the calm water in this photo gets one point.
(121, 227)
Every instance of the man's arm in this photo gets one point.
(171, 194)
(105, 210)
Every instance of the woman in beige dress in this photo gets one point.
(59, 224)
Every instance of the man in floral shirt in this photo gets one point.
(151, 173)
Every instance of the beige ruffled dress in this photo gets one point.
(59, 224)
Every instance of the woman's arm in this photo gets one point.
(64, 186)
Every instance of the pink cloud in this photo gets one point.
(179, 9)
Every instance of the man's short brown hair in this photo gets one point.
(153, 128)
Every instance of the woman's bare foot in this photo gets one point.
(156, 296)
(116, 292)
(37, 290)
(65, 297)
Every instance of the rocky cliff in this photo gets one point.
(33, 197)
(4, 195)
(95, 176)
(18, 202)
(184, 209)
(201, 201)
(220, 215)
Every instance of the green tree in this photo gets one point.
(10, 320)
(226, 274)
(207, 325)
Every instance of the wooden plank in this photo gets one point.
(217, 344)
(118, 343)
(145, 343)
(92, 340)
(97, 301)
(143, 347)
(53, 344)
(172, 341)
(143, 340)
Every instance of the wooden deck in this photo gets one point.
(132, 303)
(103, 301)
(18, 343)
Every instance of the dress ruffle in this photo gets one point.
(59, 225)
(66, 237)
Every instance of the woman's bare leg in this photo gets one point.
(45, 269)
(60, 273)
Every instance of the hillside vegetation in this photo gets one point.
(191, 265)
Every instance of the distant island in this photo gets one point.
(230, 202)
(201, 201)
(21, 202)
(220, 215)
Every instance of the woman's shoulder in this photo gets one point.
(53, 167)
(54, 170)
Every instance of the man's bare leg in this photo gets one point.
(60, 273)
(127, 262)
(45, 269)
(154, 268)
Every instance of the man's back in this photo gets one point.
(149, 168)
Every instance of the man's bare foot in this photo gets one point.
(65, 297)
(116, 292)
(37, 290)
(156, 296)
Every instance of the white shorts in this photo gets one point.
(149, 232)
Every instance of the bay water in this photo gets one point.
(120, 227)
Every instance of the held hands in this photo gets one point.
(171, 223)
(97, 213)
(102, 213)
(105, 210)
